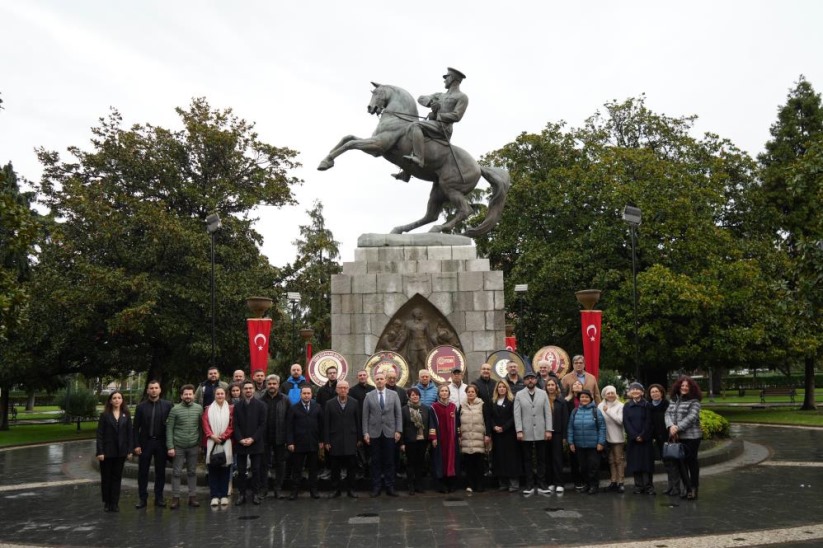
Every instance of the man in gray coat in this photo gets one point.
(533, 424)
(382, 427)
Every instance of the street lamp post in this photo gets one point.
(519, 291)
(294, 300)
(632, 215)
(213, 224)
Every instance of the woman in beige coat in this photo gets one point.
(474, 439)
(612, 409)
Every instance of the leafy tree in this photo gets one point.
(562, 232)
(317, 259)
(125, 276)
(790, 200)
(19, 226)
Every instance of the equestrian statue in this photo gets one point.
(422, 148)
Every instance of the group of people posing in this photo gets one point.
(526, 426)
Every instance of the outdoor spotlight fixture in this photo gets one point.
(632, 215)
(213, 223)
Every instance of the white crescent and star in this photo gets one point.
(259, 345)
(591, 332)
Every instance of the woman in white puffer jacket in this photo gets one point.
(612, 409)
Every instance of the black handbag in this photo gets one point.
(218, 455)
(674, 450)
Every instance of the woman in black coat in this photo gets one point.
(114, 445)
(416, 428)
(660, 434)
(637, 420)
(507, 464)
(554, 447)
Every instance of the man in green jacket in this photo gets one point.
(183, 435)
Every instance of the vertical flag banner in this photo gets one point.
(511, 343)
(590, 324)
(259, 331)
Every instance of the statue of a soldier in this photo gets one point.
(446, 109)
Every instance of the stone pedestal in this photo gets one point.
(389, 270)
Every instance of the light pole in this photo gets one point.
(294, 300)
(633, 216)
(519, 291)
(213, 224)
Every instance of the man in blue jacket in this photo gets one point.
(291, 387)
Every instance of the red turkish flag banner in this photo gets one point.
(590, 323)
(511, 344)
(259, 331)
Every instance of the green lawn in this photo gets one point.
(787, 416)
(41, 433)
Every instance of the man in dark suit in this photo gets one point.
(304, 427)
(249, 434)
(150, 443)
(342, 431)
(382, 427)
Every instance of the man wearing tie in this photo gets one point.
(382, 427)
(303, 439)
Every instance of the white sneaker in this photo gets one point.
(528, 492)
(224, 501)
(215, 501)
(468, 489)
(558, 489)
(544, 491)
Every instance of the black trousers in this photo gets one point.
(111, 475)
(382, 462)
(690, 467)
(474, 470)
(152, 449)
(554, 461)
(534, 456)
(589, 460)
(338, 462)
(416, 462)
(274, 458)
(298, 461)
(243, 483)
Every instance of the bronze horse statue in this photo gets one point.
(452, 171)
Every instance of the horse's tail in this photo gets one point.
(500, 182)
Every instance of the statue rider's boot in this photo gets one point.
(402, 176)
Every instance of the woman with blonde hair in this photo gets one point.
(612, 410)
(444, 433)
(507, 462)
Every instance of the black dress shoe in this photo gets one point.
(293, 495)
(315, 494)
(114, 508)
(391, 492)
(141, 504)
(375, 493)
(352, 495)
(159, 503)
(336, 494)
(256, 499)
(106, 508)
(241, 500)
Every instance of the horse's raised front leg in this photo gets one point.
(328, 161)
(372, 145)
(433, 209)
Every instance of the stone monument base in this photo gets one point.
(441, 270)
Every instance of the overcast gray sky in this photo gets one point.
(301, 70)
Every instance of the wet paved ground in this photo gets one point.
(49, 495)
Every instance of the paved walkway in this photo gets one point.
(49, 496)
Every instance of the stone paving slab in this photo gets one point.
(758, 504)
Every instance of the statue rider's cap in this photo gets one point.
(454, 72)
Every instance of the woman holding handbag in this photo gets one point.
(218, 426)
(683, 423)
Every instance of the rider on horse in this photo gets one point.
(446, 109)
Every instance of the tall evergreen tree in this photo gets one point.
(791, 201)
